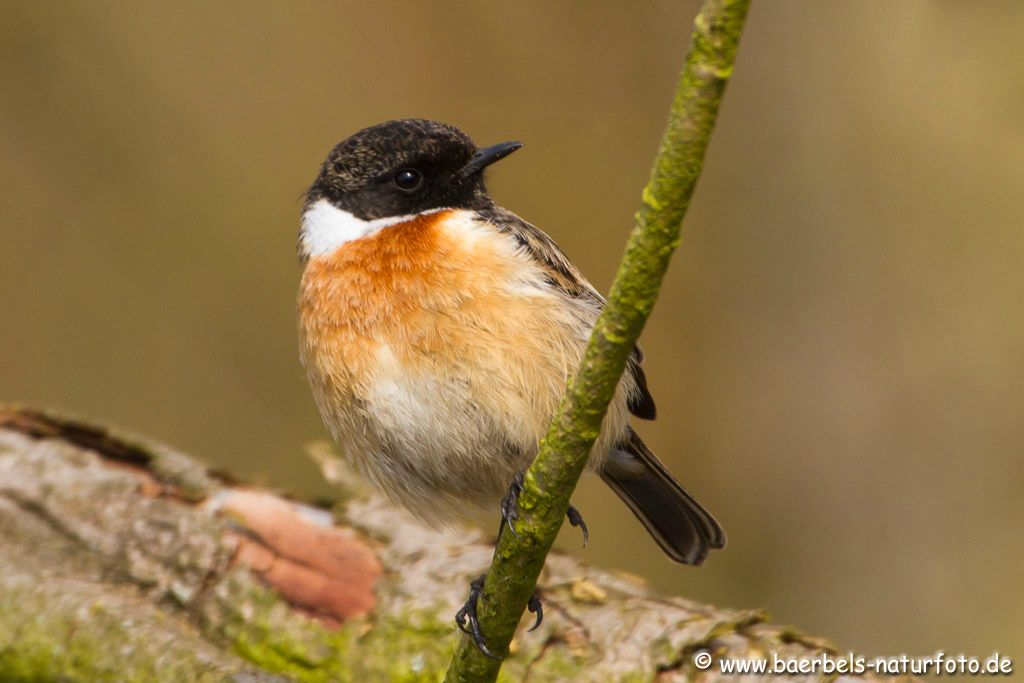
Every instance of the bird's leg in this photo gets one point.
(510, 511)
(466, 618)
(467, 621)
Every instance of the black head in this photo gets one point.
(405, 167)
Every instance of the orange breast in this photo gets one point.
(365, 292)
(436, 345)
(423, 288)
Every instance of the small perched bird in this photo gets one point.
(438, 331)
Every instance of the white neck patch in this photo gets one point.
(325, 227)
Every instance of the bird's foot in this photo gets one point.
(466, 618)
(510, 505)
(510, 511)
(467, 621)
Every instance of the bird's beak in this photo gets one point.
(487, 156)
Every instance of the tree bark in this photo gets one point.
(123, 560)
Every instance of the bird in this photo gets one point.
(438, 332)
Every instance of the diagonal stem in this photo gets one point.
(550, 480)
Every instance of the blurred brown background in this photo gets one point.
(838, 353)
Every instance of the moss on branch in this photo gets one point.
(112, 571)
(549, 482)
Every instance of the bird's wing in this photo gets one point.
(565, 276)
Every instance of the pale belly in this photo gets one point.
(438, 378)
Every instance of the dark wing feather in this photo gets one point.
(565, 276)
(642, 403)
(681, 526)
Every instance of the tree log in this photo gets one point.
(124, 560)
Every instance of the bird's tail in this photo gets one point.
(683, 529)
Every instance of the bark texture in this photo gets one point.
(123, 560)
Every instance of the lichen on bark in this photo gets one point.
(110, 574)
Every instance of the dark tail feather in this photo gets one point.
(683, 529)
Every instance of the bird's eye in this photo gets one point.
(408, 179)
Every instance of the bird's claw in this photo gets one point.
(576, 519)
(466, 618)
(510, 504)
(510, 511)
(535, 608)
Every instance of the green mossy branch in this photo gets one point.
(551, 479)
